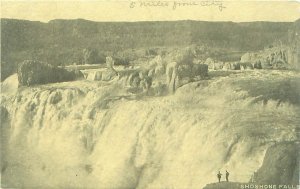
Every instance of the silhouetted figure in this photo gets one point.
(227, 175)
(219, 175)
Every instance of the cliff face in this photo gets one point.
(282, 54)
(107, 35)
(280, 165)
(294, 44)
(61, 42)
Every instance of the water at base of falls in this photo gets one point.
(78, 135)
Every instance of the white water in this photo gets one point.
(71, 135)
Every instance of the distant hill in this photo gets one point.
(21, 34)
(62, 41)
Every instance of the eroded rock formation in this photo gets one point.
(280, 165)
(32, 72)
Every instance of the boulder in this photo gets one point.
(185, 71)
(34, 72)
(200, 70)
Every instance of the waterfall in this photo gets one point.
(88, 134)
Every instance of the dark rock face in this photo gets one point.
(280, 165)
(4, 114)
(34, 72)
(200, 70)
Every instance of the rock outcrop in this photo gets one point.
(200, 70)
(176, 72)
(156, 67)
(32, 72)
(140, 80)
(270, 58)
(280, 165)
(219, 65)
(10, 84)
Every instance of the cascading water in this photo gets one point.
(89, 135)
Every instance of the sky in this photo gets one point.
(139, 10)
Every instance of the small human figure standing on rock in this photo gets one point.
(219, 175)
(227, 175)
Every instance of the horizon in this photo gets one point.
(140, 11)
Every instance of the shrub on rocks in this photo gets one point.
(34, 72)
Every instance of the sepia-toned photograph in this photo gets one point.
(150, 94)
